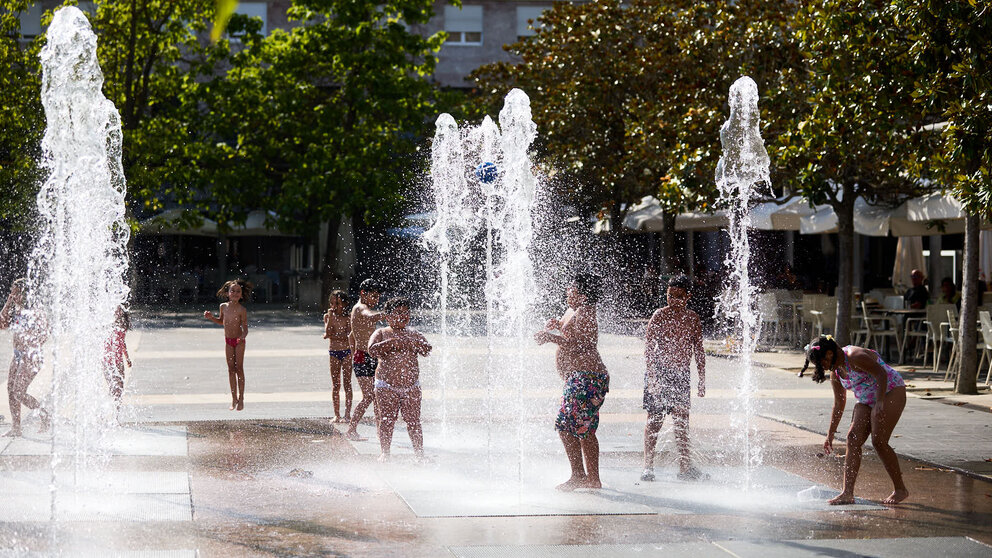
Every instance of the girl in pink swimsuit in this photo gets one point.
(876, 413)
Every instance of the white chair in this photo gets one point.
(894, 302)
(934, 335)
(985, 318)
(768, 311)
(880, 328)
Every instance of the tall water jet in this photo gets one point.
(492, 207)
(743, 166)
(452, 234)
(78, 266)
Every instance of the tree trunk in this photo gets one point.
(845, 267)
(328, 261)
(967, 382)
(667, 248)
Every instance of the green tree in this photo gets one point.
(154, 58)
(22, 120)
(854, 130)
(320, 122)
(951, 43)
(629, 97)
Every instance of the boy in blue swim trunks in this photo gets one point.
(674, 336)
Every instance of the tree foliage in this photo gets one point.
(629, 97)
(22, 120)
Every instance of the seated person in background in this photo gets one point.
(949, 293)
(918, 295)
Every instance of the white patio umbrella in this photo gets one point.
(166, 223)
(909, 256)
(646, 216)
(781, 215)
(869, 220)
(255, 225)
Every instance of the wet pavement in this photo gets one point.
(187, 477)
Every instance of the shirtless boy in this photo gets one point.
(674, 337)
(586, 380)
(233, 316)
(363, 322)
(397, 378)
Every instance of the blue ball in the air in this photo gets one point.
(486, 172)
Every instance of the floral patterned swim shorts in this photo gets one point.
(581, 399)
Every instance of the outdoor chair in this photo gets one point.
(769, 312)
(811, 303)
(931, 331)
(894, 302)
(947, 334)
(880, 328)
(985, 318)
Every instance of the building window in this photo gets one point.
(255, 9)
(31, 21)
(529, 13)
(464, 26)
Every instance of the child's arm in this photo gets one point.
(699, 353)
(127, 357)
(840, 400)
(652, 336)
(6, 312)
(219, 320)
(244, 323)
(420, 344)
(327, 316)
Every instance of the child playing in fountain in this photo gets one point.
(337, 331)
(363, 322)
(586, 380)
(397, 376)
(29, 331)
(234, 318)
(674, 336)
(115, 354)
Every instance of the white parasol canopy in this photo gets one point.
(167, 223)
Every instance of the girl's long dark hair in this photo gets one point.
(815, 352)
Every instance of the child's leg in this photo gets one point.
(410, 407)
(856, 437)
(232, 374)
(681, 419)
(14, 399)
(881, 431)
(368, 396)
(346, 376)
(117, 381)
(573, 449)
(590, 450)
(336, 387)
(239, 352)
(388, 404)
(651, 429)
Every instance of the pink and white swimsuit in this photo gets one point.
(864, 386)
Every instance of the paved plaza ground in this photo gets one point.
(188, 477)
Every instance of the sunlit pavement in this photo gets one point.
(278, 478)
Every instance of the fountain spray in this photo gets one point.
(743, 166)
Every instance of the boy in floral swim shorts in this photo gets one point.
(674, 336)
(586, 380)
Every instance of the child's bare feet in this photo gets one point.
(339, 420)
(233, 406)
(692, 474)
(841, 499)
(46, 422)
(353, 436)
(241, 404)
(383, 458)
(572, 483)
(13, 433)
(591, 482)
(896, 496)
